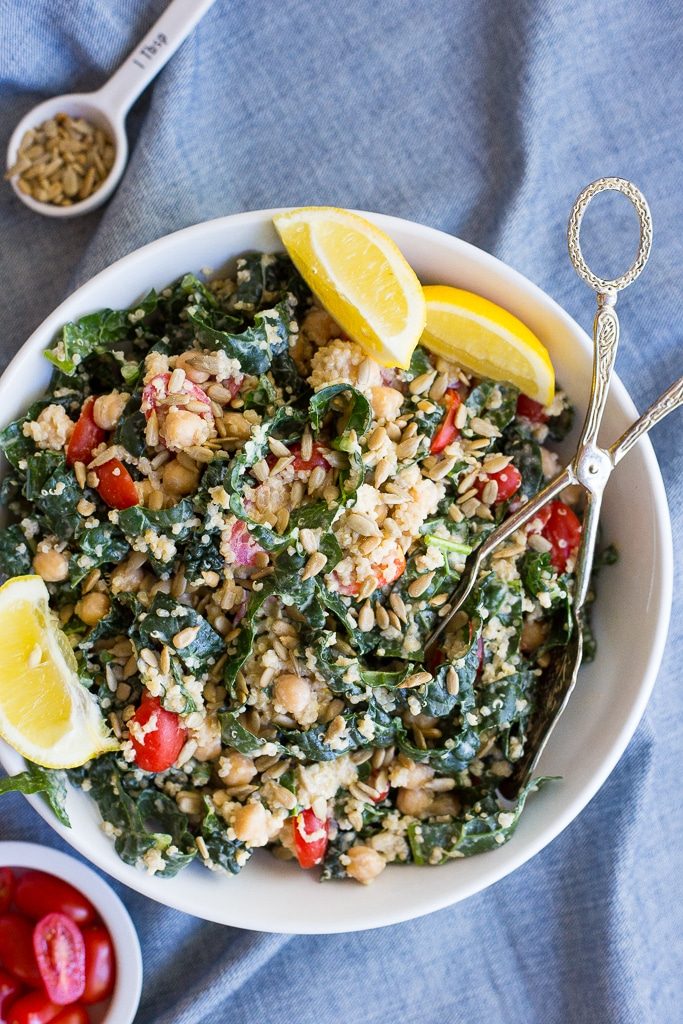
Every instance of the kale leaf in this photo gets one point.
(40, 780)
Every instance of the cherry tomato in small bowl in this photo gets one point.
(60, 954)
(16, 949)
(33, 1008)
(10, 988)
(100, 965)
(74, 1014)
(6, 888)
(39, 894)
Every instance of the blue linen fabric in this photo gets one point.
(484, 119)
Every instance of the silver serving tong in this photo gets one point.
(590, 468)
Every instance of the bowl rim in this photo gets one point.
(662, 589)
(125, 998)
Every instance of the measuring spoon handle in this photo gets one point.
(671, 399)
(150, 55)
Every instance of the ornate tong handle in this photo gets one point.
(606, 325)
(605, 341)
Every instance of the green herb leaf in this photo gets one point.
(40, 780)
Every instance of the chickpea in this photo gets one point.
(386, 402)
(52, 565)
(93, 607)
(292, 693)
(237, 426)
(108, 409)
(365, 864)
(414, 802)
(184, 362)
(128, 576)
(184, 429)
(445, 803)
(251, 824)
(533, 634)
(406, 774)
(208, 737)
(178, 479)
(236, 769)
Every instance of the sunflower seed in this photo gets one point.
(315, 564)
(416, 679)
(363, 525)
(366, 618)
(422, 583)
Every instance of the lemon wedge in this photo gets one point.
(361, 278)
(45, 711)
(488, 341)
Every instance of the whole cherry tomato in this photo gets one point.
(448, 431)
(16, 949)
(509, 480)
(74, 1014)
(100, 964)
(10, 988)
(6, 888)
(33, 1008)
(158, 749)
(531, 410)
(86, 435)
(563, 529)
(116, 486)
(310, 838)
(39, 894)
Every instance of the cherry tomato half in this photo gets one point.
(563, 530)
(74, 1014)
(33, 1008)
(243, 546)
(86, 436)
(116, 486)
(158, 749)
(383, 793)
(10, 988)
(448, 431)
(310, 838)
(16, 949)
(6, 888)
(384, 574)
(509, 481)
(307, 465)
(100, 964)
(39, 894)
(60, 954)
(531, 410)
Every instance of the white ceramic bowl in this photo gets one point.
(631, 616)
(122, 1006)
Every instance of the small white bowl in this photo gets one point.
(631, 614)
(123, 1003)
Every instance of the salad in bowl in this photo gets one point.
(235, 518)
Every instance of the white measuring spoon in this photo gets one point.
(108, 106)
